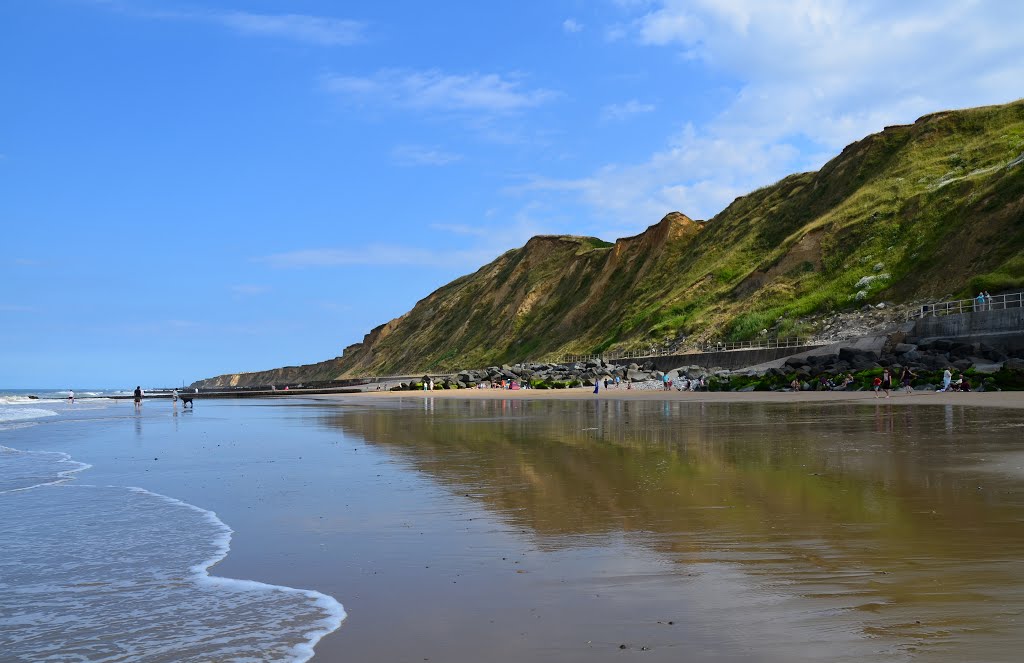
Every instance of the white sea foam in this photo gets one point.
(121, 574)
(21, 412)
(24, 470)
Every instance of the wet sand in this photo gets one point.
(718, 526)
(1009, 399)
(563, 526)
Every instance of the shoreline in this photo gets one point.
(996, 399)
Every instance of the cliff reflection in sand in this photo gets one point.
(893, 512)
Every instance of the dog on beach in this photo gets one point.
(186, 402)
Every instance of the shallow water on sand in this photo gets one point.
(511, 530)
(763, 532)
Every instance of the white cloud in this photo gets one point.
(320, 30)
(810, 77)
(695, 174)
(572, 26)
(435, 90)
(626, 110)
(418, 155)
(481, 242)
(833, 71)
(313, 29)
(377, 254)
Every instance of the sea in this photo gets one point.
(109, 572)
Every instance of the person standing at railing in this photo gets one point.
(979, 302)
(988, 300)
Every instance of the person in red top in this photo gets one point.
(876, 385)
(886, 382)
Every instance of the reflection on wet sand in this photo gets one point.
(884, 518)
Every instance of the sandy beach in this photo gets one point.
(505, 526)
(1007, 399)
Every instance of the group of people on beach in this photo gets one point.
(138, 395)
(513, 385)
(684, 384)
(883, 384)
(826, 383)
(954, 382)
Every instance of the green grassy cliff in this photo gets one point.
(916, 211)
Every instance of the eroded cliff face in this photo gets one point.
(320, 372)
(925, 210)
(529, 302)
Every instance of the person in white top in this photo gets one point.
(947, 377)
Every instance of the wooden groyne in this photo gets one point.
(242, 393)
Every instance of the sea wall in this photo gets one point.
(729, 359)
(1002, 328)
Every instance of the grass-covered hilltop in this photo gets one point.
(918, 211)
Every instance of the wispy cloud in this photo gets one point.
(435, 90)
(312, 29)
(696, 174)
(572, 26)
(632, 107)
(482, 242)
(319, 30)
(418, 155)
(377, 254)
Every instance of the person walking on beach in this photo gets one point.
(174, 398)
(947, 377)
(597, 385)
(71, 396)
(876, 385)
(138, 397)
(906, 375)
(886, 382)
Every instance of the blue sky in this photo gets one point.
(194, 188)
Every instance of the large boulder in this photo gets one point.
(903, 348)
(636, 376)
(849, 354)
(961, 350)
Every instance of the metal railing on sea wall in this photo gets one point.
(975, 305)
